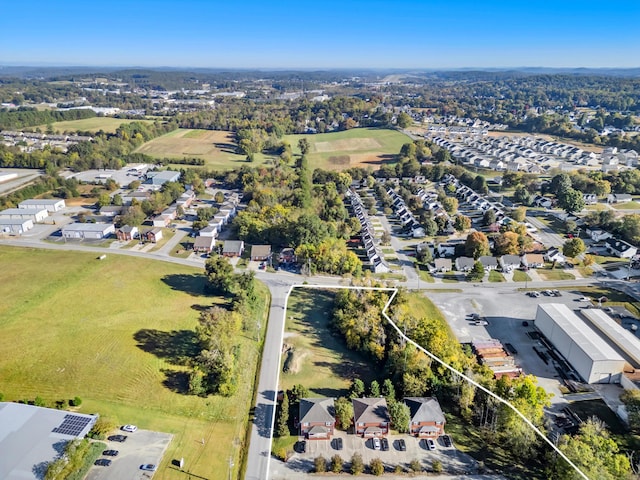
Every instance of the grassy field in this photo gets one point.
(496, 277)
(358, 147)
(216, 148)
(633, 205)
(321, 361)
(107, 124)
(115, 333)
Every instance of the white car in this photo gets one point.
(376, 443)
(149, 467)
(129, 428)
(584, 299)
(481, 323)
(431, 444)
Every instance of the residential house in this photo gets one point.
(489, 263)
(509, 262)
(597, 235)
(232, 248)
(209, 231)
(378, 265)
(371, 416)
(442, 265)
(464, 264)
(260, 253)
(590, 198)
(127, 233)
(162, 221)
(532, 260)
(154, 235)
(553, 255)
(204, 244)
(426, 417)
(317, 418)
(287, 255)
(620, 248)
(186, 199)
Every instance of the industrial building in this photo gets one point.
(589, 355)
(94, 231)
(17, 226)
(31, 437)
(52, 205)
(35, 214)
(619, 336)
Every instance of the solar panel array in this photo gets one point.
(72, 425)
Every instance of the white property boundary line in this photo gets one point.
(431, 355)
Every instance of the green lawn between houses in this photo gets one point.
(112, 332)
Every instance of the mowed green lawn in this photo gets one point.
(217, 148)
(107, 124)
(358, 147)
(113, 332)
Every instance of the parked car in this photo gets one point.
(102, 462)
(584, 299)
(337, 443)
(402, 445)
(301, 447)
(510, 348)
(376, 443)
(431, 445)
(385, 444)
(111, 453)
(117, 438)
(446, 439)
(129, 428)
(474, 316)
(149, 467)
(481, 323)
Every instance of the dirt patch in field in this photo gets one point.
(347, 145)
(375, 160)
(293, 359)
(340, 160)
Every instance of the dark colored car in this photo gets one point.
(337, 443)
(446, 439)
(301, 447)
(111, 453)
(102, 462)
(402, 445)
(385, 444)
(511, 348)
(117, 438)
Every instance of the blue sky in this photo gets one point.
(308, 34)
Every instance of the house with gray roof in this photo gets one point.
(426, 417)
(317, 418)
(371, 416)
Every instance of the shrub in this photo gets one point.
(357, 465)
(75, 402)
(398, 470)
(415, 465)
(39, 402)
(336, 463)
(436, 466)
(320, 464)
(101, 428)
(376, 466)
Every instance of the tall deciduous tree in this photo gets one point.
(344, 413)
(476, 245)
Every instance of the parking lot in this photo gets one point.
(453, 461)
(141, 447)
(504, 309)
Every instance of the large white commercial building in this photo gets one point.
(16, 226)
(52, 205)
(94, 231)
(622, 338)
(590, 356)
(35, 214)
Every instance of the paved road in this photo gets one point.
(279, 284)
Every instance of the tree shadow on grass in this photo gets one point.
(192, 284)
(177, 346)
(177, 381)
